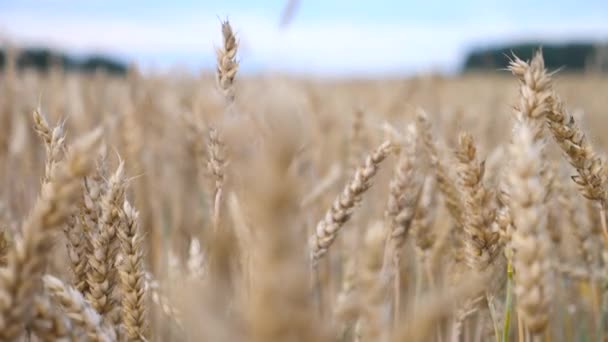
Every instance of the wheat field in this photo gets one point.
(228, 207)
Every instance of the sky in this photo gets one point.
(326, 37)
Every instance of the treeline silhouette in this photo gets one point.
(43, 59)
(575, 57)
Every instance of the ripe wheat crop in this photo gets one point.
(229, 207)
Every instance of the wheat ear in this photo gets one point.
(405, 190)
(53, 139)
(227, 65)
(216, 166)
(101, 277)
(132, 276)
(27, 258)
(444, 182)
(481, 244)
(341, 210)
(591, 177)
(80, 239)
(529, 217)
(534, 93)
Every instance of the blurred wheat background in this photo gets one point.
(275, 201)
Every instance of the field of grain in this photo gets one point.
(228, 207)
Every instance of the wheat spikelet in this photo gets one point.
(49, 323)
(327, 229)
(80, 312)
(75, 241)
(529, 216)
(227, 65)
(132, 276)
(27, 258)
(101, 277)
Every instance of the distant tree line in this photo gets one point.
(575, 57)
(43, 59)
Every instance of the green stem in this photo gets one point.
(509, 302)
(492, 308)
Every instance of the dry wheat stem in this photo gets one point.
(373, 322)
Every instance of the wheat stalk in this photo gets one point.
(405, 189)
(372, 324)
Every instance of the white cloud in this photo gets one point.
(335, 47)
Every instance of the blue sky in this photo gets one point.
(352, 37)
